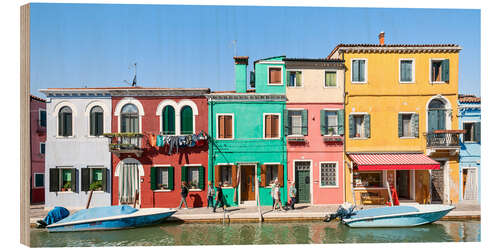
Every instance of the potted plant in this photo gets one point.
(330, 131)
(67, 186)
(96, 186)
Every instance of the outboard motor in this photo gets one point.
(345, 211)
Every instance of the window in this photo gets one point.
(368, 179)
(39, 180)
(94, 178)
(331, 79)
(294, 79)
(358, 71)
(271, 126)
(328, 174)
(225, 175)
(193, 176)
(472, 131)
(269, 173)
(225, 126)
(274, 76)
(129, 118)
(42, 118)
(96, 121)
(297, 122)
(162, 178)
(440, 70)
(186, 120)
(359, 126)
(65, 121)
(42, 148)
(406, 70)
(62, 179)
(407, 125)
(331, 122)
(168, 123)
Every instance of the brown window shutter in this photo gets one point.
(263, 180)
(217, 175)
(275, 75)
(268, 126)
(280, 174)
(228, 126)
(274, 126)
(221, 127)
(233, 175)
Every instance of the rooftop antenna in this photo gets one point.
(134, 81)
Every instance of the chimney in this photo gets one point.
(381, 38)
(240, 73)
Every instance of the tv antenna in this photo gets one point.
(134, 81)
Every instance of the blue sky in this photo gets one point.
(93, 45)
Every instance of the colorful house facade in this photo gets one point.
(77, 154)
(469, 118)
(38, 124)
(247, 142)
(314, 129)
(158, 140)
(401, 122)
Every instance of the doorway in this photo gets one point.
(437, 184)
(403, 184)
(303, 181)
(247, 183)
(469, 184)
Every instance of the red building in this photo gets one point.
(158, 141)
(38, 134)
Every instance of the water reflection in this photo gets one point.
(255, 233)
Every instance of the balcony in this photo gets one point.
(125, 143)
(444, 139)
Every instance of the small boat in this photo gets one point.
(397, 216)
(111, 217)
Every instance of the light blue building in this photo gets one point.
(469, 118)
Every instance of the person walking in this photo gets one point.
(210, 195)
(293, 194)
(273, 189)
(219, 198)
(184, 194)
(277, 198)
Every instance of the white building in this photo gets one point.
(77, 155)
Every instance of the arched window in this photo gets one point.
(65, 122)
(129, 118)
(186, 120)
(96, 121)
(168, 116)
(436, 115)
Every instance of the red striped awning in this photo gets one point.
(393, 161)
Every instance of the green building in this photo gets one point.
(247, 146)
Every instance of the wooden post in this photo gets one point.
(389, 191)
(89, 199)
(135, 197)
(257, 182)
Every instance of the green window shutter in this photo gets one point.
(92, 127)
(73, 180)
(85, 179)
(186, 120)
(445, 70)
(168, 120)
(201, 177)
(340, 121)
(153, 178)
(355, 70)
(104, 179)
(477, 131)
(322, 119)
(60, 127)
(287, 123)
(183, 173)
(298, 79)
(400, 125)
(43, 118)
(288, 75)
(54, 180)
(362, 66)
(304, 122)
(100, 121)
(367, 126)
(68, 124)
(170, 184)
(351, 126)
(415, 125)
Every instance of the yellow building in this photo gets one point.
(401, 122)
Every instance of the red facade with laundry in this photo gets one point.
(158, 140)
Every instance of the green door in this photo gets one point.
(303, 180)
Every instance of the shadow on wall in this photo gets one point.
(197, 202)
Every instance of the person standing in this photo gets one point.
(273, 189)
(220, 198)
(210, 195)
(277, 198)
(293, 194)
(184, 194)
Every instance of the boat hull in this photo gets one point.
(399, 220)
(112, 224)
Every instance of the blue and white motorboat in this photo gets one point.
(396, 216)
(108, 218)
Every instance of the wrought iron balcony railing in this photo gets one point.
(125, 142)
(443, 138)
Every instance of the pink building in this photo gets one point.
(38, 123)
(314, 129)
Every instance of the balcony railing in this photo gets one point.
(444, 138)
(125, 143)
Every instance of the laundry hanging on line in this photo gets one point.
(174, 142)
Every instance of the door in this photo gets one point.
(437, 184)
(303, 180)
(128, 184)
(403, 184)
(470, 184)
(247, 183)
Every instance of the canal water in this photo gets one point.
(259, 233)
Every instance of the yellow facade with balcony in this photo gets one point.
(401, 100)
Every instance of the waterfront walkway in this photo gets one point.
(463, 211)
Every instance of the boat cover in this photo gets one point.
(99, 212)
(383, 211)
(55, 215)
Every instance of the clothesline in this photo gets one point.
(177, 141)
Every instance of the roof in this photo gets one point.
(469, 99)
(268, 58)
(232, 91)
(124, 91)
(37, 98)
(313, 60)
(389, 161)
(422, 47)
